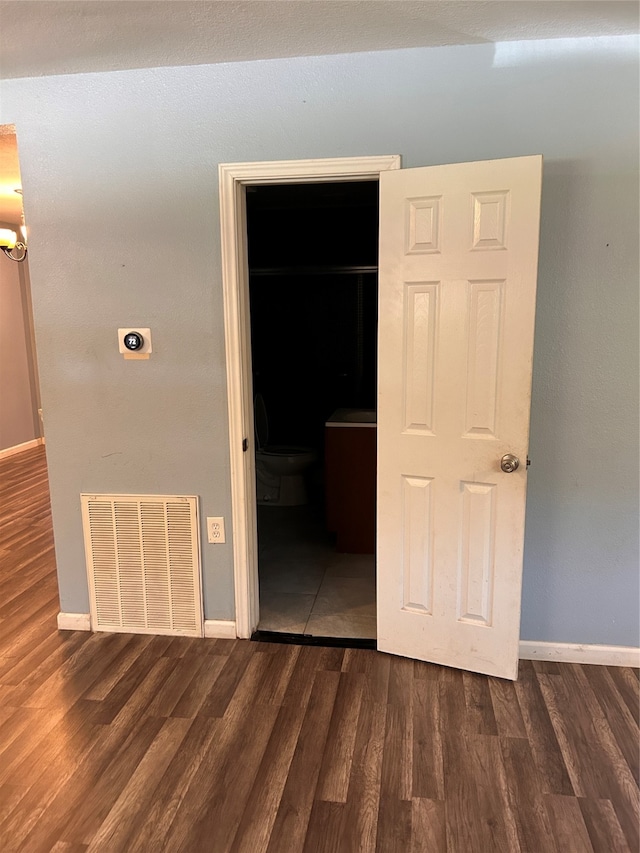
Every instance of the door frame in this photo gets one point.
(233, 178)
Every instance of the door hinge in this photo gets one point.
(245, 444)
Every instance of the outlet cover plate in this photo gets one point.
(215, 530)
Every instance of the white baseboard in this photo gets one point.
(529, 649)
(580, 653)
(82, 622)
(20, 448)
(220, 628)
(74, 622)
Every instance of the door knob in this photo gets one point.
(509, 463)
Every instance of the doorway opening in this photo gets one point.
(20, 415)
(234, 180)
(25, 514)
(312, 260)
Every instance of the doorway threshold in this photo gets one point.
(311, 640)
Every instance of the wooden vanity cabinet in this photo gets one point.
(350, 478)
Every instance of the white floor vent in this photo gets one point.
(143, 563)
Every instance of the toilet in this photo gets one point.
(279, 469)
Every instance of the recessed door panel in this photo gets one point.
(477, 553)
(483, 347)
(420, 312)
(417, 553)
(490, 220)
(423, 225)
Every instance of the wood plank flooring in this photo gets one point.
(129, 743)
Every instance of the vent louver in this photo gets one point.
(143, 563)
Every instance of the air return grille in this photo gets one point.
(143, 563)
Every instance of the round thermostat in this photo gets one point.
(133, 341)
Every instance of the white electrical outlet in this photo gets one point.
(215, 530)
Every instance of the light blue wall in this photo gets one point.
(120, 188)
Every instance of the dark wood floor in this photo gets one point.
(137, 743)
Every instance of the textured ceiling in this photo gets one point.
(61, 37)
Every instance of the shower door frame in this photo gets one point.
(234, 178)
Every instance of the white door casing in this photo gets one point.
(234, 177)
(458, 268)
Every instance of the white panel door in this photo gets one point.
(458, 266)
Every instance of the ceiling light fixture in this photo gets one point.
(9, 242)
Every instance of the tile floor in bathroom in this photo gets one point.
(306, 587)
